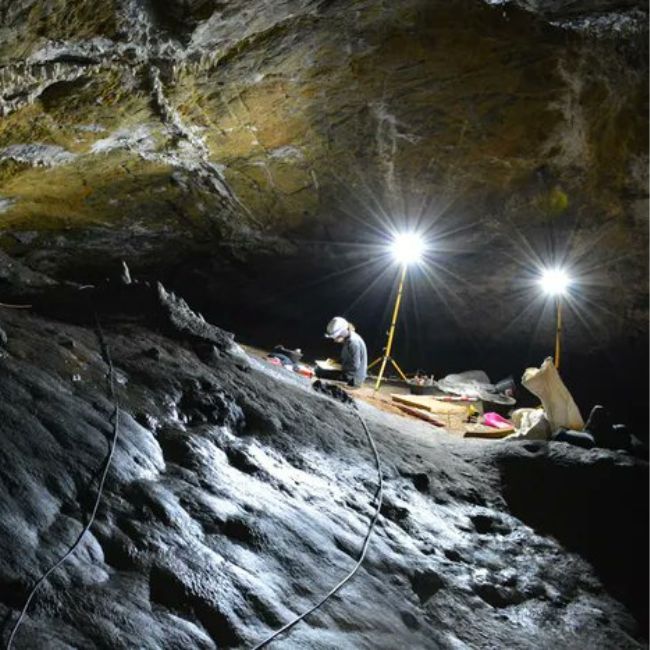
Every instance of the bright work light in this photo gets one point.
(407, 248)
(555, 282)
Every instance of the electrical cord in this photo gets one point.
(366, 541)
(116, 416)
(116, 413)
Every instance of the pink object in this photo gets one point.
(305, 371)
(495, 420)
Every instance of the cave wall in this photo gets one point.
(251, 153)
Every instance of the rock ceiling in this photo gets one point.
(147, 130)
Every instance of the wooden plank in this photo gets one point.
(483, 431)
(431, 404)
(419, 413)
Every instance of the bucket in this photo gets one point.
(423, 389)
(501, 404)
(506, 386)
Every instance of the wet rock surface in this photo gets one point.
(238, 495)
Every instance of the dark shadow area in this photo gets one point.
(173, 593)
(598, 510)
(289, 300)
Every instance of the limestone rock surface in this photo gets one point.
(237, 496)
(153, 130)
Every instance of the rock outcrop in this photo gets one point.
(237, 496)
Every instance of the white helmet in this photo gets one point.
(337, 328)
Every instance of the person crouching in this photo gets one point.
(354, 356)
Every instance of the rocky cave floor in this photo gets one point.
(237, 496)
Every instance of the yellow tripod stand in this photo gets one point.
(558, 331)
(386, 357)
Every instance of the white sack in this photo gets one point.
(531, 424)
(546, 383)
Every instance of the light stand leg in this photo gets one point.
(375, 362)
(558, 332)
(399, 370)
(391, 331)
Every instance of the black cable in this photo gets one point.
(357, 566)
(116, 415)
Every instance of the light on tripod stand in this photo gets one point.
(406, 249)
(555, 282)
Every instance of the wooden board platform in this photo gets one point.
(428, 403)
